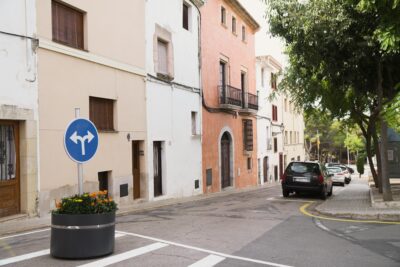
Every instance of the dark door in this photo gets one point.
(157, 168)
(225, 161)
(136, 169)
(265, 169)
(9, 169)
(280, 165)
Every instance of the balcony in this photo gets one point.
(230, 97)
(252, 101)
(234, 98)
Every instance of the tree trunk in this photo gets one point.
(387, 192)
(371, 164)
(378, 160)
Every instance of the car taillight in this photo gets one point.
(340, 173)
(321, 179)
(283, 178)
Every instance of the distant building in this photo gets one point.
(230, 100)
(270, 121)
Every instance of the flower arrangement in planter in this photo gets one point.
(83, 226)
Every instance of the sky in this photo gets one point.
(265, 43)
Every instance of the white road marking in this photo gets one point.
(208, 261)
(25, 257)
(124, 256)
(26, 233)
(36, 254)
(206, 250)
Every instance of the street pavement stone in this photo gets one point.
(354, 201)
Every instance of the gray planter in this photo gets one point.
(82, 236)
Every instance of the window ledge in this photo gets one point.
(108, 131)
(224, 25)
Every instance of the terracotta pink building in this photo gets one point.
(230, 100)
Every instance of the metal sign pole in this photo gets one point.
(80, 167)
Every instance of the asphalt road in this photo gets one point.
(255, 228)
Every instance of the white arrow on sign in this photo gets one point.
(75, 138)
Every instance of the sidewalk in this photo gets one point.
(22, 223)
(358, 201)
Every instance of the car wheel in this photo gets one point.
(285, 192)
(330, 192)
(323, 193)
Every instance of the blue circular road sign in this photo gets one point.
(81, 140)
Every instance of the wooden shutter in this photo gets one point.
(248, 135)
(67, 25)
(102, 113)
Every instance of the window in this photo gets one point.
(233, 25)
(286, 137)
(275, 144)
(243, 33)
(267, 136)
(67, 25)
(262, 77)
(222, 73)
(185, 16)
(274, 113)
(243, 81)
(249, 163)
(194, 123)
(273, 80)
(162, 57)
(223, 16)
(291, 140)
(102, 113)
(248, 135)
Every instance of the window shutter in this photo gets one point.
(101, 113)
(67, 25)
(248, 135)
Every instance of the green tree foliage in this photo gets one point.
(337, 61)
(360, 163)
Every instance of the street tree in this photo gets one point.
(336, 63)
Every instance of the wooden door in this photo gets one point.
(136, 169)
(225, 161)
(9, 168)
(280, 165)
(157, 168)
(265, 169)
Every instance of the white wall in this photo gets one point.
(17, 58)
(265, 120)
(169, 105)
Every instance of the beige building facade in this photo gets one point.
(97, 65)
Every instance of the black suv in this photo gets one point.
(306, 177)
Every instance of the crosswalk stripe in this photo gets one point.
(208, 261)
(37, 254)
(124, 256)
(24, 257)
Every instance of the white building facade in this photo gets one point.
(18, 108)
(173, 98)
(270, 121)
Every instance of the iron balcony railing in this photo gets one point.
(252, 101)
(229, 95)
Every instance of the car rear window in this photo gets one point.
(334, 170)
(302, 168)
